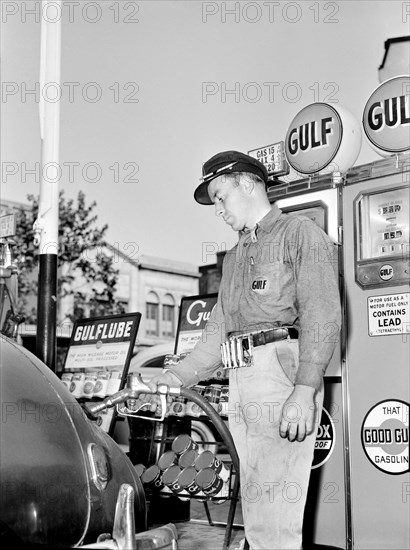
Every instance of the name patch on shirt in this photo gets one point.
(260, 285)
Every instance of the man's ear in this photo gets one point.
(248, 185)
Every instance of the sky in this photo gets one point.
(151, 89)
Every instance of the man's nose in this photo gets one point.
(219, 209)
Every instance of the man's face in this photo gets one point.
(230, 200)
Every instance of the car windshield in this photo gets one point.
(156, 362)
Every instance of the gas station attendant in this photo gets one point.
(277, 299)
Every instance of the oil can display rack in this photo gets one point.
(164, 443)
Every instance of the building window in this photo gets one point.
(168, 316)
(152, 315)
(168, 325)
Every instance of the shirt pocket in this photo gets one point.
(269, 282)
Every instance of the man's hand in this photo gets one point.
(166, 378)
(298, 414)
(154, 399)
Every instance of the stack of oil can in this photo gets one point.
(216, 394)
(92, 383)
(185, 472)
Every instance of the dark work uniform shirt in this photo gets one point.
(282, 273)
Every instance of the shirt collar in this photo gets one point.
(265, 224)
(269, 220)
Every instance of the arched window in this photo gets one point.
(168, 316)
(152, 315)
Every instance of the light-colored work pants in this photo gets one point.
(274, 471)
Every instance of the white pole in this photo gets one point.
(49, 107)
(46, 225)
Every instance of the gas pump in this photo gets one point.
(377, 355)
(359, 493)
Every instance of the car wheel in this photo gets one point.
(203, 437)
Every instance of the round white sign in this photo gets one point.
(386, 272)
(323, 138)
(386, 116)
(385, 436)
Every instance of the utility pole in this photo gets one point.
(46, 225)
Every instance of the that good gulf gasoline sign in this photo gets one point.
(322, 137)
(325, 440)
(388, 314)
(386, 116)
(385, 436)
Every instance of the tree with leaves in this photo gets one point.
(86, 275)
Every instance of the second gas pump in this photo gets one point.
(360, 491)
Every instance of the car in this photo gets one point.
(65, 483)
(149, 362)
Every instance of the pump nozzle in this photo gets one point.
(135, 387)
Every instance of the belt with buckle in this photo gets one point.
(273, 335)
(237, 351)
